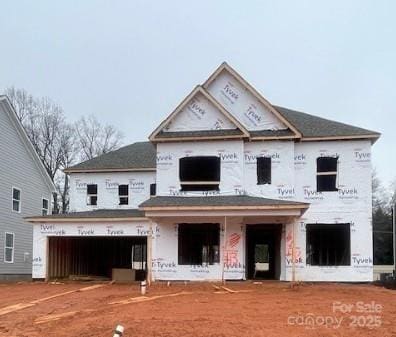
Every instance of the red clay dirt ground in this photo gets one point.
(198, 309)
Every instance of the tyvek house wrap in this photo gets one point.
(138, 189)
(41, 232)
(351, 204)
(231, 156)
(353, 176)
(165, 255)
(282, 169)
(242, 104)
(199, 114)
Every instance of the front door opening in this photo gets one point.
(263, 251)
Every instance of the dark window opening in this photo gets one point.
(326, 176)
(16, 200)
(263, 170)
(199, 173)
(198, 244)
(45, 206)
(153, 189)
(328, 245)
(123, 191)
(92, 194)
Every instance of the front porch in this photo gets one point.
(219, 237)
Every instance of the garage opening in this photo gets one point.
(97, 257)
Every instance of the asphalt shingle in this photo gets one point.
(98, 213)
(313, 126)
(218, 200)
(141, 155)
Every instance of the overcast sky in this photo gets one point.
(131, 62)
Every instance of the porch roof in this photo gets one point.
(219, 202)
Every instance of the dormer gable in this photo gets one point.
(199, 116)
(251, 109)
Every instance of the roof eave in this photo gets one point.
(26, 141)
(196, 138)
(103, 170)
(302, 206)
(372, 137)
(292, 137)
(82, 219)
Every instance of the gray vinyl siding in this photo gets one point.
(18, 168)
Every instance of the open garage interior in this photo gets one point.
(119, 258)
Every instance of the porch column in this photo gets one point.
(149, 276)
(224, 249)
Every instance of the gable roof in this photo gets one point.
(139, 156)
(9, 109)
(159, 135)
(317, 128)
(225, 67)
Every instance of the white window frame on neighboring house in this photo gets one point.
(9, 247)
(43, 209)
(19, 201)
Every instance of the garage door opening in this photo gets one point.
(97, 256)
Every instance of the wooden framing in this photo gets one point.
(254, 92)
(273, 138)
(149, 262)
(196, 138)
(198, 89)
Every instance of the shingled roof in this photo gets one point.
(135, 157)
(89, 215)
(141, 156)
(311, 126)
(216, 201)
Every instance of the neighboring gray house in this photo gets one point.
(26, 189)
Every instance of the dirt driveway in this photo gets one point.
(197, 309)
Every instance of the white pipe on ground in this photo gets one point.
(119, 331)
(143, 286)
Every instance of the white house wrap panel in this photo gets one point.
(242, 104)
(231, 157)
(199, 114)
(107, 185)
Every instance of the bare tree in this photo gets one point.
(380, 195)
(70, 152)
(96, 139)
(52, 137)
(393, 192)
(58, 143)
(24, 103)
